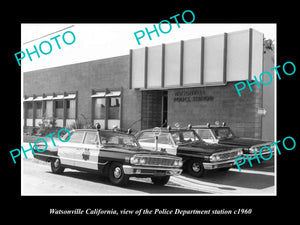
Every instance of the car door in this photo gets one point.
(68, 151)
(165, 143)
(89, 154)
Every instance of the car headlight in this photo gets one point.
(142, 161)
(41, 147)
(214, 158)
(137, 160)
(253, 149)
(240, 152)
(134, 160)
(177, 163)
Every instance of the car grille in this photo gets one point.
(155, 161)
(229, 155)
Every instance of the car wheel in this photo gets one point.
(160, 180)
(195, 168)
(116, 174)
(56, 166)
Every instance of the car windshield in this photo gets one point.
(223, 133)
(183, 137)
(118, 139)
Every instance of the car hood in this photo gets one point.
(203, 148)
(50, 145)
(243, 142)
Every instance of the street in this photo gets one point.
(37, 179)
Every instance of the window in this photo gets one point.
(77, 137)
(59, 109)
(71, 107)
(90, 138)
(148, 137)
(38, 109)
(223, 133)
(122, 140)
(48, 108)
(185, 137)
(113, 108)
(29, 109)
(205, 134)
(164, 139)
(99, 108)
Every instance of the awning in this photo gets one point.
(113, 94)
(98, 95)
(38, 98)
(50, 97)
(102, 94)
(29, 99)
(70, 96)
(58, 97)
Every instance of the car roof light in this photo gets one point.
(98, 126)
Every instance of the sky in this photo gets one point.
(99, 41)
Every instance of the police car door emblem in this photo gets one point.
(86, 154)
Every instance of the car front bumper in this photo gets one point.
(150, 171)
(222, 164)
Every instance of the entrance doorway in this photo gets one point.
(154, 109)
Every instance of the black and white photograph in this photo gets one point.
(147, 114)
(167, 109)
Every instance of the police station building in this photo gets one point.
(186, 82)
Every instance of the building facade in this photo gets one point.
(187, 82)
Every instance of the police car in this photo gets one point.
(114, 154)
(221, 134)
(198, 156)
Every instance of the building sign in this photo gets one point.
(190, 95)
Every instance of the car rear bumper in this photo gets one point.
(222, 164)
(151, 171)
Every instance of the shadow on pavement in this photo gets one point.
(135, 184)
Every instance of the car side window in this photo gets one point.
(147, 137)
(90, 138)
(77, 137)
(164, 139)
(205, 133)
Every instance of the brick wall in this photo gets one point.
(218, 103)
(111, 73)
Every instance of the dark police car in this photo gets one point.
(114, 154)
(222, 134)
(198, 156)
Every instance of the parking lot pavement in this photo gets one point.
(256, 180)
(37, 179)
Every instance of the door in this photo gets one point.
(68, 151)
(89, 154)
(165, 143)
(164, 113)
